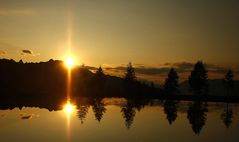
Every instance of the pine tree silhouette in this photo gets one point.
(170, 109)
(82, 112)
(99, 109)
(128, 113)
(198, 78)
(99, 72)
(228, 81)
(20, 62)
(227, 116)
(197, 116)
(171, 83)
(99, 81)
(130, 73)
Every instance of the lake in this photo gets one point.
(118, 119)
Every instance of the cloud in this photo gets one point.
(216, 69)
(141, 70)
(28, 52)
(16, 12)
(91, 68)
(2, 52)
(152, 71)
(25, 51)
(188, 67)
(180, 67)
(184, 65)
(158, 74)
(27, 116)
(161, 70)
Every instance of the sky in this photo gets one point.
(114, 32)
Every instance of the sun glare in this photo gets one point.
(69, 108)
(69, 62)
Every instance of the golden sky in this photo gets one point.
(149, 32)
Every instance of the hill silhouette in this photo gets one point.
(49, 80)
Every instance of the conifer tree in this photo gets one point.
(100, 72)
(171, 83)
(228, 80)
(198, 78)
(130, 73)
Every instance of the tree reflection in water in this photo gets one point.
(98, 108)
(197, 116)
(82, 112)
(196, 112)
(128, 112)
(227, 116)
(170, 109)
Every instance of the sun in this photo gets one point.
(69, 62)
(68, 108)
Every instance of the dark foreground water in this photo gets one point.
(118, 120)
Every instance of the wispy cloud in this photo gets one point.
(25, 51)
(142, 69)
(28, 52)
(159, 73)
(2, 52)
(10, 49)
(187, 67)
(5, 45)
(16, 12)
(27, 116)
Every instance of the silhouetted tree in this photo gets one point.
(99, 109)
(97, 85)
(198, 78)
(128, 113)
(197, 116)
(228, 81)
(171, 83)
(130, 73)
(82, 112)
(227, 116)
(100, 76)
(170, 109)
(20, 61)
(99, 72)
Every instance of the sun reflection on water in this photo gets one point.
(68, 109)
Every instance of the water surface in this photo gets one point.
(123, 120)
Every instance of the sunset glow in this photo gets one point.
(69, 62)
(68, 108)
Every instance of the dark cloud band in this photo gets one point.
(182, 67)
(25, 51)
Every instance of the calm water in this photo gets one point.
(120, 120)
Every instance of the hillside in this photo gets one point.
(49, 80)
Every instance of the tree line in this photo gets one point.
(197, 80)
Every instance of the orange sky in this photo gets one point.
(114, 32)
